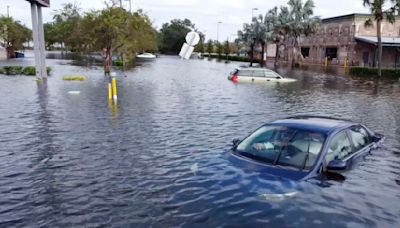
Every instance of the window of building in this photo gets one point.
(305, 51)
(331, 52)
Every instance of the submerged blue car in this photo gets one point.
(304, 147)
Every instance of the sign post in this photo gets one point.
(38, 36)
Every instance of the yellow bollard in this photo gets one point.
(114, 88)
(345, 62)
(109, 91)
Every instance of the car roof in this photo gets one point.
(252, 68)
(321, 124)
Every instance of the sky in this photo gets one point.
(205, 14)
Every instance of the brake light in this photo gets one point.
(234, 78)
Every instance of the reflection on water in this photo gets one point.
(157, 157)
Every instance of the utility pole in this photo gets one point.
(219, 22)
(252, 13)
(8, 11)
(130, 5)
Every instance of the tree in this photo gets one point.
(380, 13)
(172, 35)
(13, 35)
(297, 20)
(254, 33)
(227, 49)
(200, 46)
(220, 49)
(50, 35)
(210, 47)
(67, 27)
(114, 30)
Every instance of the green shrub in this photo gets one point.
(74, 78)
(12, 70)
(230, 58)
(49, 70)
(1, 71)
(29, 70)
(118, 63)
(367, 71)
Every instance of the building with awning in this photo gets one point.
(368, 46)
(346, 39)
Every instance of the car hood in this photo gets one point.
(268, 182)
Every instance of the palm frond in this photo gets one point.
(368, 23)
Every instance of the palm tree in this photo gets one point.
(274, 34)
(379, 14)
(246, 36)
(297, 20)
(253, 34)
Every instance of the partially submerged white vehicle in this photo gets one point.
(146, 56)
(250, 74)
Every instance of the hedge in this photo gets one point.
(16, 70)
(231, 58)
(367, 71)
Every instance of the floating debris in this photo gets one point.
(74, 92)
(276, 197)
(74, 78)
(194, 168)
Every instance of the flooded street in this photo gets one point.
(157, 157)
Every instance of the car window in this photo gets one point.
(271, 74)
(258, 73)
(359, 137)
(302, 150)
(339, 148)
(284, 146)
(244, 73)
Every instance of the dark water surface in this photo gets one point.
(157, 158)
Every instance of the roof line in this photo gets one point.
(317, 116)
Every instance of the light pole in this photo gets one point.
(252, 13)
(8, 11)
(219, 22)
(130, 5)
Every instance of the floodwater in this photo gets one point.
(157, 158)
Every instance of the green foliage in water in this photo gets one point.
(230, 58)
(118, 63)
(367, 71)
(74, 78)
(12, 70)
(19, 70)
(29, 71)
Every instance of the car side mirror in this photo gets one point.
(278, 77)
(336, 165)
(235, 142)
(376, 138)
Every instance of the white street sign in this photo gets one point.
(192, 38)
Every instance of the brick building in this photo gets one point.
(346, 37)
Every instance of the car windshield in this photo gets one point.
(285, 146)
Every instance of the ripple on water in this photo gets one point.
(156, 158)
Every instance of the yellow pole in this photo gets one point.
(326, 61)
(114, 88)
(109, 91)
(345, 62)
